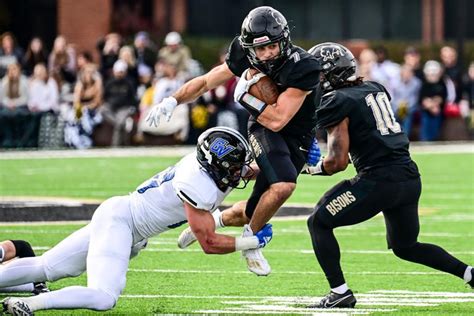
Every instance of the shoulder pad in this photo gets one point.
(301, 71)
(196, 188)
(236, 59)
(332, 110)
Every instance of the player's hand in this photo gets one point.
(163, 109)
(244, 85)
(314, 153)
(264, 235)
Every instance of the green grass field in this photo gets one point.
(166, 280)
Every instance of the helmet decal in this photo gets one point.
(330, 52)
(262, 39)
(277, 18)
(221, 147)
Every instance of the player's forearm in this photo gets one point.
(338, 148)
(223, 244)
(191, 90)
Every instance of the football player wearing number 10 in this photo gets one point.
(120, 227)
(359, 120)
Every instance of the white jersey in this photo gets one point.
(157, 204)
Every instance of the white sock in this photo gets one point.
(217, 214)
(467, 274)
(341, 289)
(2, 254)
(29, 287)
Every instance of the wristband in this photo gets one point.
(245, 243)
(254, 105)
(319, 170)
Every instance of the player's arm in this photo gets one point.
(277, 115)
(196, 87)
(203, 227)
(338, 148)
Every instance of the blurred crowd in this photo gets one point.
(432, 100)
(58, 98)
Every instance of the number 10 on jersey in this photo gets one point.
(383, 114)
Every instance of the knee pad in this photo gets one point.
(23, 249)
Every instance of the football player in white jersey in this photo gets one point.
(188, 191)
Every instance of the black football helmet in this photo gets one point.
(225, 154)
(337, 63)
(262, 26)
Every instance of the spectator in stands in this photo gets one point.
(367, 59)
(412, 58)
(109, 48)
(119, 102)
(165, 86)
(43, 100)
(62, 63)
(10, 53)
(84, 59)
(466, 104)
(13, 107)
(127, 54)
(452, 71)
(176, 53)
(87, 100)
(35, 54)
(385, 71)
(405, 97)
(144, 50)
(145, 78)
(432, 98)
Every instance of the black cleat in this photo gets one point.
(334, 300)
(39, 288)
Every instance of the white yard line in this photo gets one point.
(185, 271)
(382, 301)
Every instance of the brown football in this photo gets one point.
(265, 89)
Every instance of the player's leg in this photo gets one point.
(65, 259)
(402, 233)
(107, 261)
(348, 203)
(279, 166)
(10, 249)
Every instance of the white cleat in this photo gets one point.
(15, 306)
(186, 238)
(256, 262)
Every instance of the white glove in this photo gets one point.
(244, 85)
(164, 108)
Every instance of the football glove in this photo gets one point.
(163, 109)
(243, 86)
(264, 235)
(314, 153)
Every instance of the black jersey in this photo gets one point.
(376, 139)
(301, 71)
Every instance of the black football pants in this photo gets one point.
(361, 198)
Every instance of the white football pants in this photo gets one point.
(103, 247)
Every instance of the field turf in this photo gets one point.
(166, 280)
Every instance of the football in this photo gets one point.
(265, 89)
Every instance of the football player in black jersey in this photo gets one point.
(281, 133)
(359, 120)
